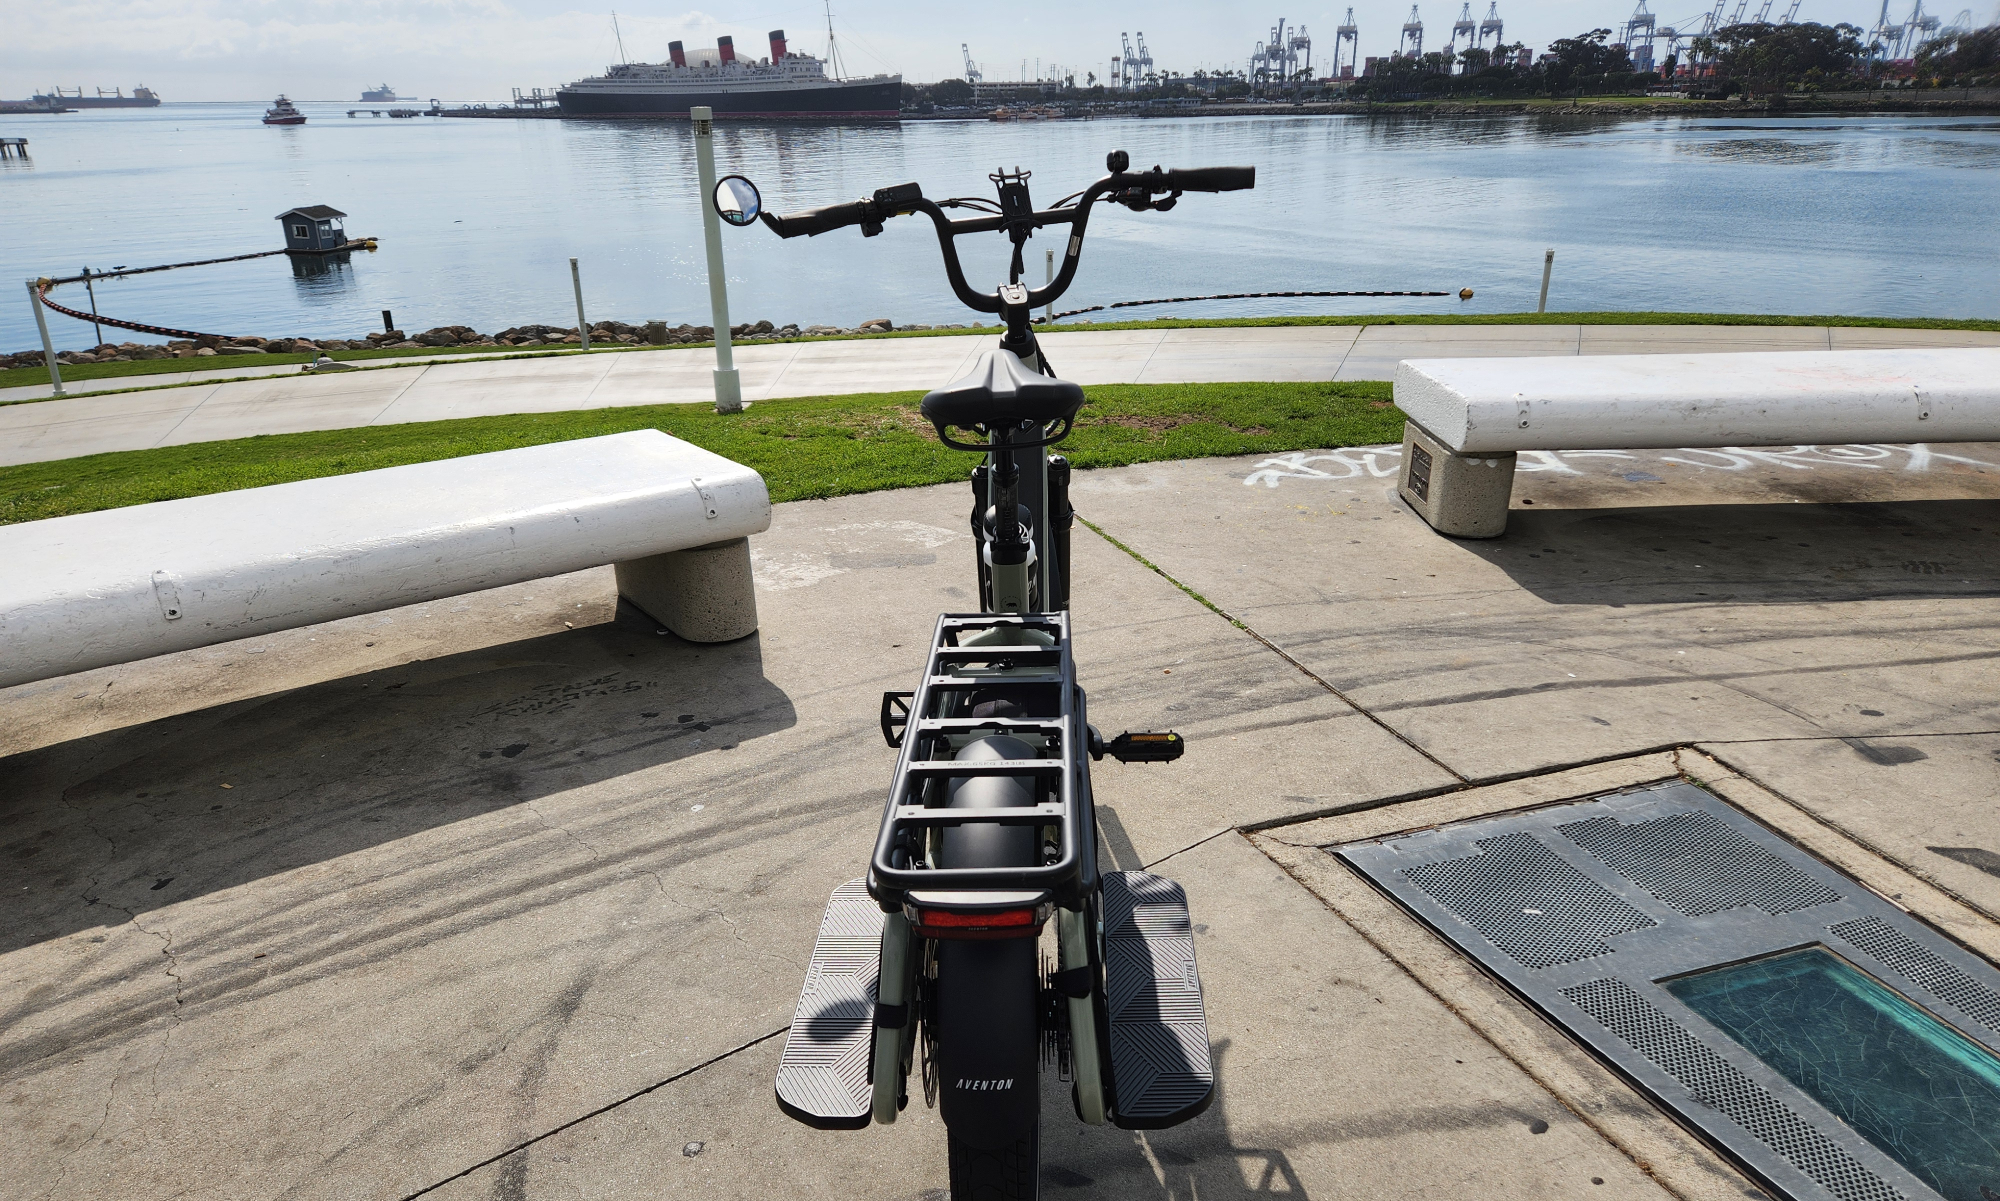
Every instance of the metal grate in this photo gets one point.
(1920, 965)
(1676, 881)
(1725, 1088)
(1528, 902)
(1697, 864)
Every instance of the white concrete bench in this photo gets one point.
(122, 584)
(1469, 417)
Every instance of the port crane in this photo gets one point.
(1144, 62)
(1464, 25)
(972, 72)
(1639, 34)
(1349, 35)
(1411, 44)
(1897, 41)
(1492, 25)
(1279, 59)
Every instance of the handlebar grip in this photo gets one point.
(1212, 179)
(810, 222)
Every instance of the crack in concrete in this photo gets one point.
(524, 1144)
(1279, 651)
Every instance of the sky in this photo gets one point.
(480, 49)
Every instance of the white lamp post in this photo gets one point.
(728, 386)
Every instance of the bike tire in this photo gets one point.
(1007, 1173)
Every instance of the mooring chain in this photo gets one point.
(1128, 304)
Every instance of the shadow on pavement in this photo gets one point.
(1751, 554)
(101, 830)
(1198, 1159)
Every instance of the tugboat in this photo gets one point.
(282, 112)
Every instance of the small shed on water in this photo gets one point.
(313, 228)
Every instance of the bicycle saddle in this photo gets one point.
(1000, 390)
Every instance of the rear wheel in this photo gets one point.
(1007, 1173)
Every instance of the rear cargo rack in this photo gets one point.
(1029, 656)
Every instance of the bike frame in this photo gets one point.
(995, 743)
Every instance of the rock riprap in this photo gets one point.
(603, 333)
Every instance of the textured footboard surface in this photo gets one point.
(823, 1076)
(1160, 1067)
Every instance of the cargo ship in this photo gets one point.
(141, 97)
(385, 93)
(789, 85)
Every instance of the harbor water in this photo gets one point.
(477, 219)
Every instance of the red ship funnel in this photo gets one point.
(726, 47)
(777, 45)
(675, 52)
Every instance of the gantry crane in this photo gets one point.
(1464, 25)
(1411, 44)
(1638, 38)
(1347, 34)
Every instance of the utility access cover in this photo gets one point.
(1834, 1045)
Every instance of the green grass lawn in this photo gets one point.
(23, 376)
(803, 448)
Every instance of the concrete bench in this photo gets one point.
(1469, 417)
(122, 584)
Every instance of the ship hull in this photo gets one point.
(824, 102)
(105, 102)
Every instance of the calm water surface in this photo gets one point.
(478, 218)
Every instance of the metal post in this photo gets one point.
(1548, 264)
(87, 286)
(388, 322)
(582, 326)
(1049, 264)
(728, 385)
(42, 323)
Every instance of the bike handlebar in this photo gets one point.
(1133, 189)
(812, 222)
(1212, 179)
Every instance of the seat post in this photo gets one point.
(1010, 549)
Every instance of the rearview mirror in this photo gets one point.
(737, 200)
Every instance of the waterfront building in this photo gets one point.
(313, 229)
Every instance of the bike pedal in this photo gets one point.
(1163, 746)
(895, 716)
(823, 1074)
(1161, 1072)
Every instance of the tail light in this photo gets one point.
(992, 923)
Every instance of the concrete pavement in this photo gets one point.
(289, 403)
(508, 896)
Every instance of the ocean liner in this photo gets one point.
(788, 85)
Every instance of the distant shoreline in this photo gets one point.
(1926, 101)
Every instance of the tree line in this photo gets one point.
(1754, 59)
